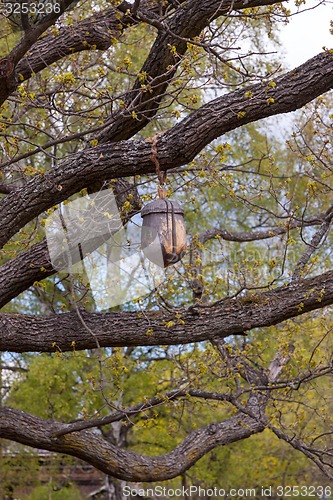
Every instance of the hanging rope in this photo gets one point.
(154, 156)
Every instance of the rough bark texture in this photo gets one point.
(24, 333)
(36, 432)
(97, 32)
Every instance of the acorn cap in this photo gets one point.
(162, 206)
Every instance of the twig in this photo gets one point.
(313, 245)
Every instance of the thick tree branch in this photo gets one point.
(27, 429)
(176, 147)
(25, 333)
(6, 189)
(32, 34)
(97, 32)
(18, 274)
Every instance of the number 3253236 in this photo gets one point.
(9, 8)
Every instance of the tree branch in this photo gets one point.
(96, 32)
(176, 147)
(314, 244)
(27, 429)
(64, 332)
(318, 456)
(13, 368)
(243, 236)
(140, 407)
(6, 189)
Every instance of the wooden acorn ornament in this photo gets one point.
(163, 236)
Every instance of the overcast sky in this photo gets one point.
(307, 32)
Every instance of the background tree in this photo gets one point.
(93, 98)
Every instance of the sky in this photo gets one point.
(307, 32)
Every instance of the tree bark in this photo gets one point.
(24, 333)
(32, 431)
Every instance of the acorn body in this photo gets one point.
(163, 236)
